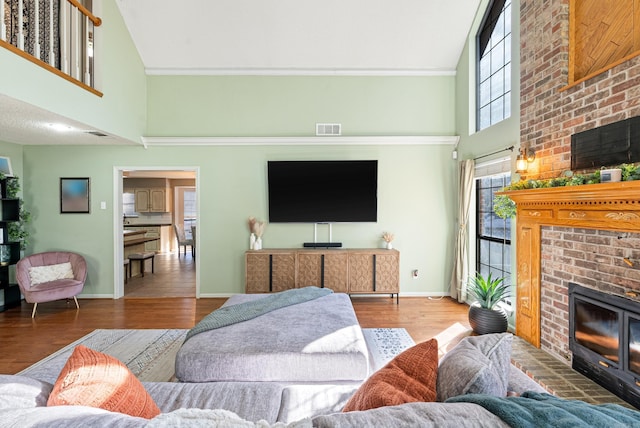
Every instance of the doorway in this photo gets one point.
(145, 213)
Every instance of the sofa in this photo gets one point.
(23, 400)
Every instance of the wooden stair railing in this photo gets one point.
(60, 39)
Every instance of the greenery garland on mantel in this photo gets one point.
(504, 207)
(16, 229)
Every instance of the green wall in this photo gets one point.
(291, 106)
(119, 73)
(415, 202)
(416, 192)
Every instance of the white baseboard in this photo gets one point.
(425, 294)
(216, 295)
(95, 296)
(226, 295)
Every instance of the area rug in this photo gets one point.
(151, 353)
(384, 344)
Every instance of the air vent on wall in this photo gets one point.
(328, 129)
(96, 133)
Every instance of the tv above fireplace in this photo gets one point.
(324, 191)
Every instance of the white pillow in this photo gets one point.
(40, 274)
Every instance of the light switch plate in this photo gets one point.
(103, 205)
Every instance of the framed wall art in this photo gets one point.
(74, 195)
(5, 166)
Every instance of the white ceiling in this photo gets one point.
(299, 36)
(272, 37)
(23, 123)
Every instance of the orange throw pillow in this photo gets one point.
(409, 377)
(91, 378)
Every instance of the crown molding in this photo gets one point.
(300, 141)
(159, 71)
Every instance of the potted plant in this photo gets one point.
(484, 314)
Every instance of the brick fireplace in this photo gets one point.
(584, 233)
(551, 111)
(587, 235)
(604, 260)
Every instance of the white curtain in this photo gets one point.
(458, 285)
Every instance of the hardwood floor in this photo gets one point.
(25, 340)
(173, 277)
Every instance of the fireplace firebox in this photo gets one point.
(604, 336)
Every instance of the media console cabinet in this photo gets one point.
(351, 271)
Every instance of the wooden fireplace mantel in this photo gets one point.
(606, 206)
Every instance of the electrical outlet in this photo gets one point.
(414, 274)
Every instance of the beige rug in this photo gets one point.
(151, 353)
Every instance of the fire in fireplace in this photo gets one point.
(604, 336)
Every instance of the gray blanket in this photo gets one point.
(534, 409)
(229, 315)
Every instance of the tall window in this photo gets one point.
(129, 203)
(189, 211)
(493, 234)
(494, 65)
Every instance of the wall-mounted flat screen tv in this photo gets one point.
(323, 191)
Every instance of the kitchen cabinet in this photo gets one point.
(151, 200)
(153, 235)
(153, 232)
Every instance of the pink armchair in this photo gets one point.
(56, 289)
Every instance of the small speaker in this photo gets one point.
(322, 244)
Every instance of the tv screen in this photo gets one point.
(323, 191)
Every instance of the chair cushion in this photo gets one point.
(42, 274)
(409, 377)
(57, 284)
(91, 378)
(141, 256)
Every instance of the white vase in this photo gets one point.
(389, 246)
(258, 244)
(252, 241)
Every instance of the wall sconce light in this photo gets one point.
(523, 160)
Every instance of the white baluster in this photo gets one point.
(64, 37)
(86, 49)
(75, 46)
(52, 58)
(36, 29)
(20, 25)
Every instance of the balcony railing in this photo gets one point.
(56, 35)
